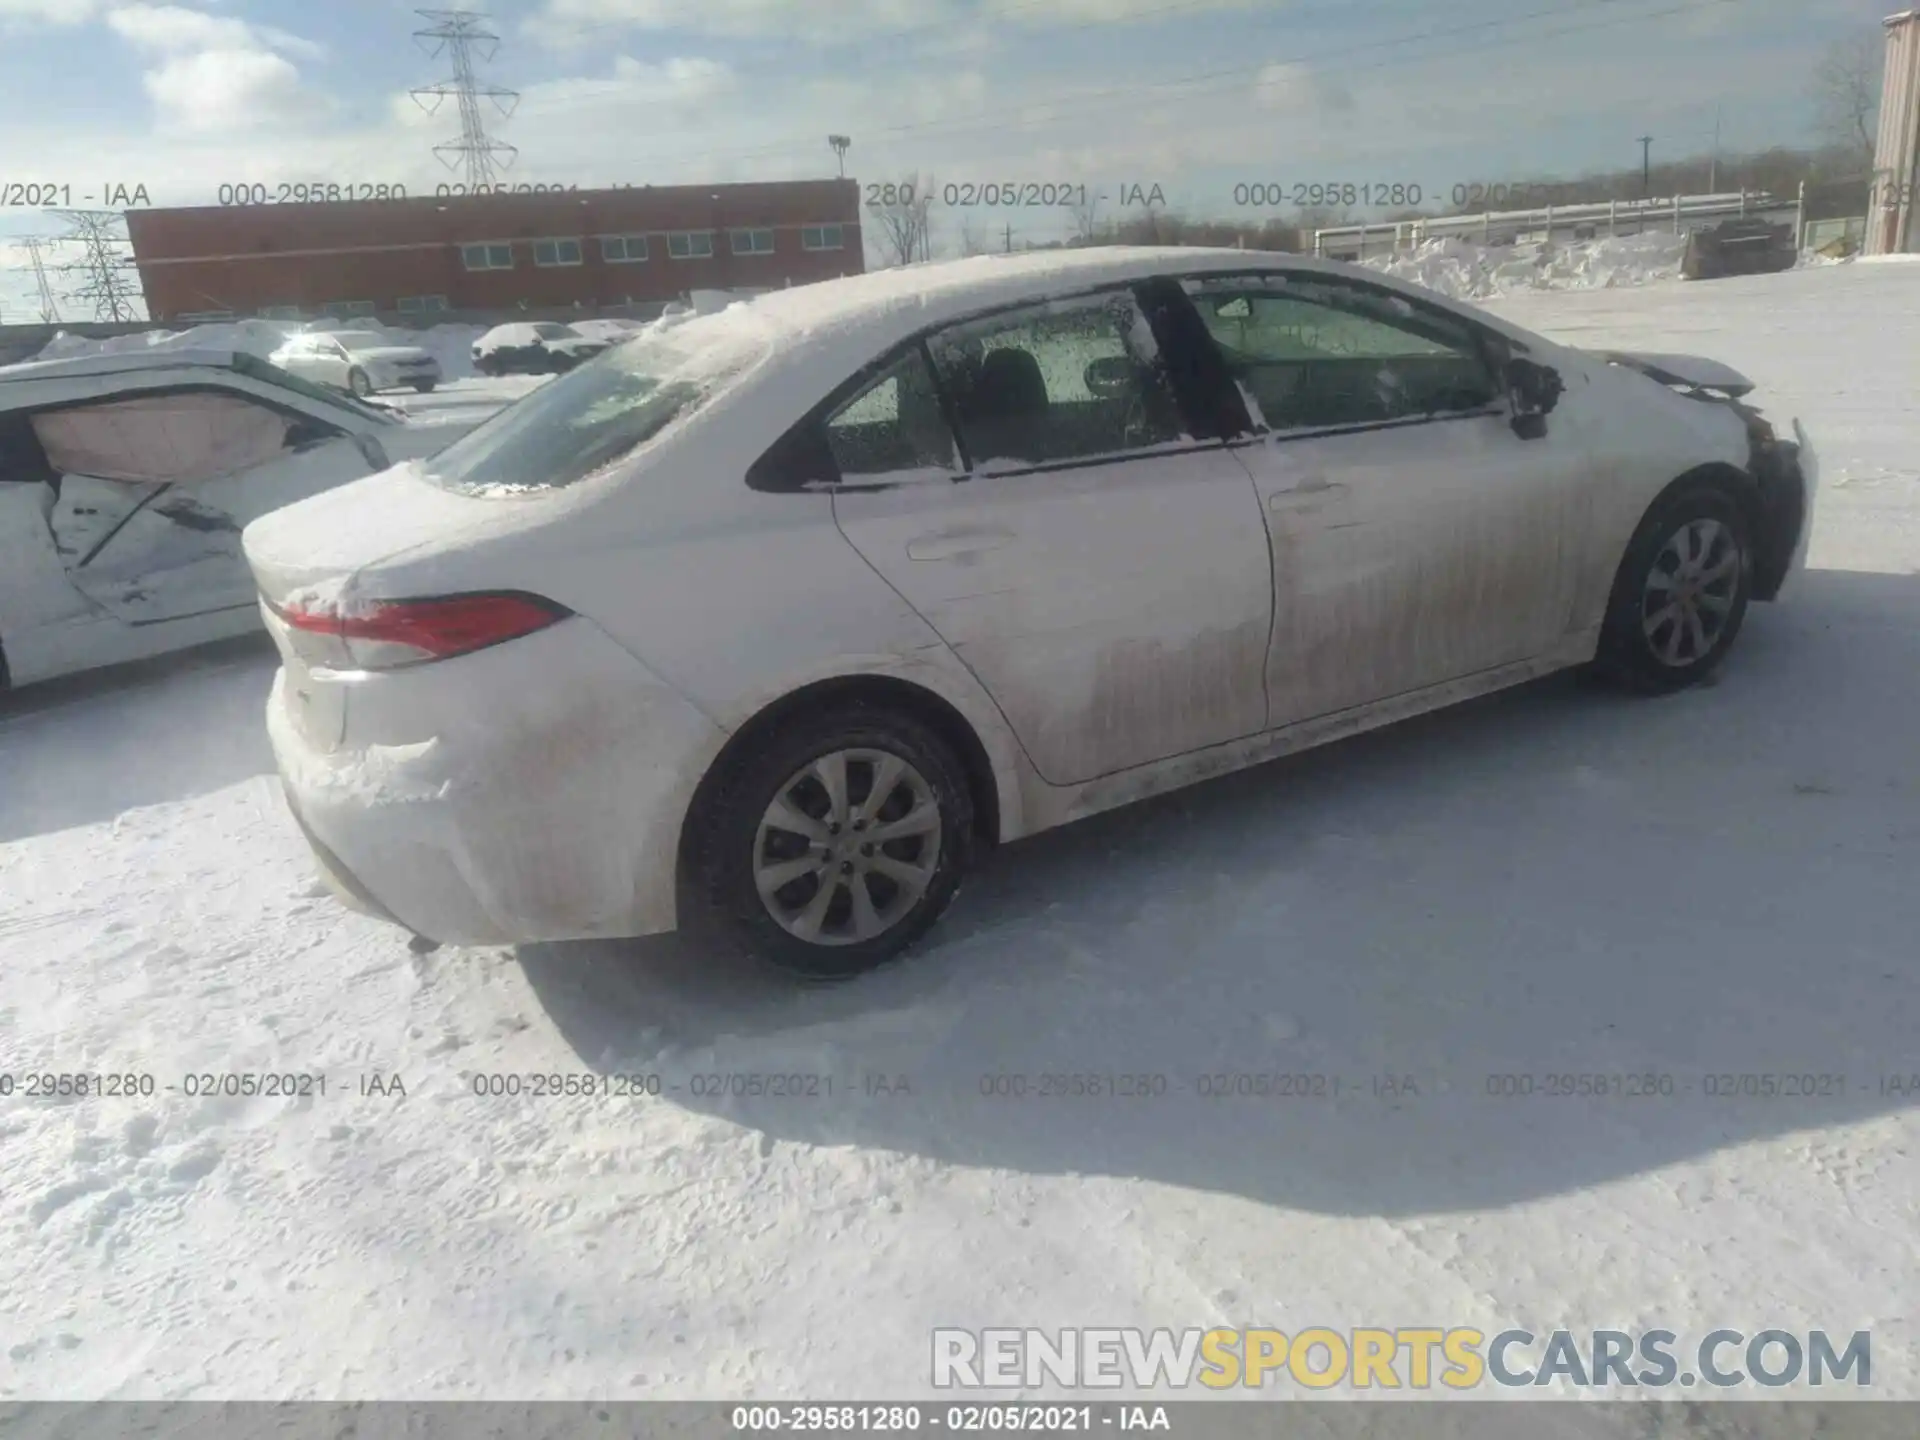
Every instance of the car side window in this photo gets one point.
(894, 424)
(1309, 353)
(1067, 380)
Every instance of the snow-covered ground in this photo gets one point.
(1469, 271)
(1556, 880)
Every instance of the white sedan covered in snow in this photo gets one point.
(806, 603)
(360, 362)
(125, 480)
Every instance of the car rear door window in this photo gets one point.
(1310, 353)
(894, 425)
(1062, 381)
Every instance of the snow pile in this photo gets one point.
(1468, 271)
(254, 337)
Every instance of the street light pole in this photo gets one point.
(1646, 166)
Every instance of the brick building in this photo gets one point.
(422, 254)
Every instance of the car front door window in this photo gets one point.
(1310, 355)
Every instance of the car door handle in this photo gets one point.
(951, 544)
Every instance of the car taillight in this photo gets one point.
(388, 634)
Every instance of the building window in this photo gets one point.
(487, 255)
(549, 253)
(820, 237)
(421, 304)
(752, 242)
(690, 244)
(623, 249)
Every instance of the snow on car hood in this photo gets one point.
(1694, 370)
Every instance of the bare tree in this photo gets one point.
(1846, 93)
(901, 218)
(1085, 215)
(973, 239)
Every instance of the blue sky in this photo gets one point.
(1193, 95)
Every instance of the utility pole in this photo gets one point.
(462, 34)
(1646, 166)
(49, 307)
(102, 268)
(1009, 240)
(841, 144)
(1713, 168)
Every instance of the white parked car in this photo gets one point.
(361, 362)
(799, 607)
(125, 481)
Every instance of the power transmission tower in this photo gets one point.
(462, 34)
(103, 265)
(49, 307)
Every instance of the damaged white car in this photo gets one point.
(795, 609)
(125, 481)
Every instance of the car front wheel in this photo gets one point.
(836, 841)
(1681, 594)
(358, 383)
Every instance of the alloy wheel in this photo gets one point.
(847, 847)
(1690, 592)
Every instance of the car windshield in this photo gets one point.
(554, 331)
(583, 422)
(361, 339)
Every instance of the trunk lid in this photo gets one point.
(394, 535)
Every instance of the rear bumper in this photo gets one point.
(1788, 473)
(531, 792)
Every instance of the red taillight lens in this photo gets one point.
(386, 634)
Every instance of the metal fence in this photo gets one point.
(1676, 213)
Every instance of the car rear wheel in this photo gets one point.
(1681, 594)
(425, 387)
(836, 841)
(358, 382)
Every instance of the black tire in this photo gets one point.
(726, 833)
(1629, 654)
(358, 384)
(425, 387)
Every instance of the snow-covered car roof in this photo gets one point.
(882, 305)
(522, 330)
(39, 382)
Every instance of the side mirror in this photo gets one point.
(1110, 377)
(1534, 390)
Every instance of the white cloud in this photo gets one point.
(207, 91)
(571, 23)
(49, 12)
(213, 73)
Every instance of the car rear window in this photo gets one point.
(591, 418)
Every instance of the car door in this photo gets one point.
(1104, 575)
(155, 490)
(1416, 538)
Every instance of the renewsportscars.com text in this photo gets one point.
(1415, 1358)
